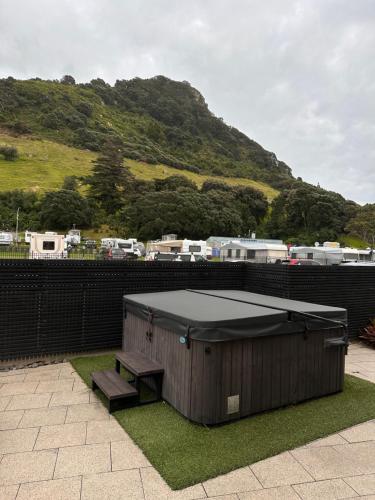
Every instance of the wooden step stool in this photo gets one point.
(141, 367)
(118, 391)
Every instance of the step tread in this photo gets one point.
(113, 385)
(138, 363)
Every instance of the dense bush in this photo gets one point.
(61, 209)
(19, 128)
(85, 108)
(9, 153)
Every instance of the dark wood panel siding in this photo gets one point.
(266, 372)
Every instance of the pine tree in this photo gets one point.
(110, 179)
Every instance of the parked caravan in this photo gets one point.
(265, 253)
(197, 248)
(128, 245)
(28, 235)
(73, 237)
(331, 255)
(6, 238)
(47, 246)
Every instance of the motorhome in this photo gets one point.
(47, 246)
(192, 247)
(73, 237)
(6, 238)
(128, 245)
(329, 254)
(266, 253)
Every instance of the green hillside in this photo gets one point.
(157, 121)
(160, 129)
(43, 164)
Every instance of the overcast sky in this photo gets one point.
(296, 76)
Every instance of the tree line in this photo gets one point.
(148, 209)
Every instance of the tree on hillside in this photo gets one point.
(110, 180)
(61, 209)
(188, 213)
(27, 202)
(363, 224)
(174, 182)
(70, 183)
(309, 214)
(68, 80)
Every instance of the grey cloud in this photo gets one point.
(297, 76)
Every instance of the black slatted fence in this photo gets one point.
(61, 306)
(351, 287)
(57, 306)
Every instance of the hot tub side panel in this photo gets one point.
(164, 347)
(216, 382)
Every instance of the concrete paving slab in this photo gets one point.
(8, 492)
(42, 375)
(18, 388)
(86, 412)
(327, 441)
(280, 470)
(11, 379)
(102, 431)
(234, 482)
(82, 460)
(155, 488)
(326, 463)
(363, 485)
(125, 454)
(43, 416)
(125, 485)
(360, 454)
(57, 489)
(10, 419)
(64, 385)
(57, 436)
(17, 440)
(69, 398)
(29, 401)
(358, 433)
(4, 402)
(331, 489)
(280, 493)
(19, 468)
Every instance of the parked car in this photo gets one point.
(301, 262)
(112, 254)
(178, 257)
(90, 243)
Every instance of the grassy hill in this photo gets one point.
(43, 164)
(157, 120)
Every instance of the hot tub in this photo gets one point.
(228, 354)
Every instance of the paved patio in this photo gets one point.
(58, 442)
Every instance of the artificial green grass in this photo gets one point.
(186, 453)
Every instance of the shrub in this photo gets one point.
(19, 128)
(53, 120)
(367, 334)
(68, 80)
(85, 108)
(9, 153)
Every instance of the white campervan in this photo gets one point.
(126, 245)
(6, 238)
(196, 248)
(47, 246)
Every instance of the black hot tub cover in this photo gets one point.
(222, 315)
